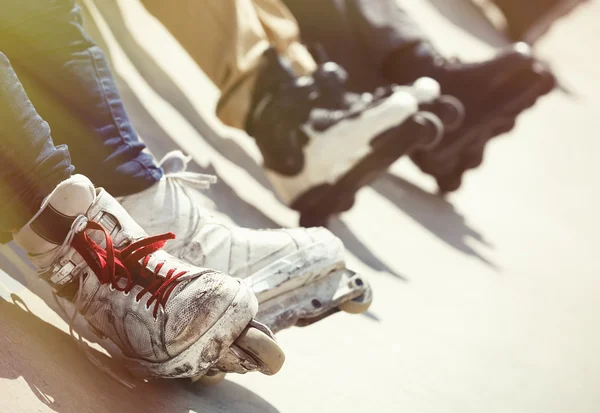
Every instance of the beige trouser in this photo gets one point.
(227, 38)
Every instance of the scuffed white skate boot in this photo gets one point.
(116, 286)
(281, 265)
(298, 275)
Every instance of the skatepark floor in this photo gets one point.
(486, 301)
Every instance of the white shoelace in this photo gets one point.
(175, 164)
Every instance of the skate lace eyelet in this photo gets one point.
(126, 294)
(111, 288)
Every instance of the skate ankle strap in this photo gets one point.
(55, 228)
(60, 229)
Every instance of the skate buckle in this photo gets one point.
(60, 275)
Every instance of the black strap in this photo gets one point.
(52, 225)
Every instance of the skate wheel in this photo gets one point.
(474, 158)
(474, 161)
(434, 130)
(451, 111)
(310, 221)
(505, 126)
(449, 184)
(262, 348)
(359, 304)
(210, 379)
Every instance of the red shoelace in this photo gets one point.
(111, 265)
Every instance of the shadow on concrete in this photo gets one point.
(433, 213)
(61, 377)
(355, 246)
(371, 316)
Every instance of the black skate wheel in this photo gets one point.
(311, 221)
(449, 184)
(474, 158)
(473, 161)
(316, 218)
(346, 204)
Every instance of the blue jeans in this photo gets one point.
(67, 78)
(30, 165)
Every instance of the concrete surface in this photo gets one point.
(485, 302)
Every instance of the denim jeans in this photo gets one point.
(357, 34)
(67, 78)
(30, 165)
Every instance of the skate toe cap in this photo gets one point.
(199, 304)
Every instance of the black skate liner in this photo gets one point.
(447, 164)
(319, 203)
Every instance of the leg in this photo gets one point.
(492, 92)
(70, 84)
(93, 255)
(374, 28)
(30, 165)
(283, 33)
(295, 121)
(228, 40)
(530, 20)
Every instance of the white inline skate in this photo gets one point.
(114, 285)
(298, 275)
